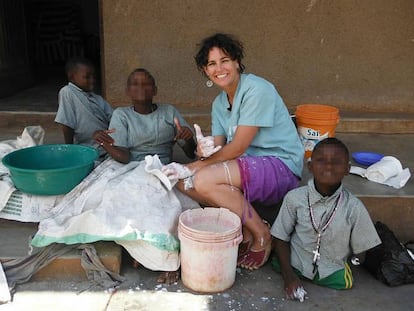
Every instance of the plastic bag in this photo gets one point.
(390, 262)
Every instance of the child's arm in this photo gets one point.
(188, 147)
(68, 134)
(185, 134)
(119, 154)
(291, 280)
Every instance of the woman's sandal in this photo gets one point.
(254, 259)
(244, 248)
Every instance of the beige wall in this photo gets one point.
(357, 55)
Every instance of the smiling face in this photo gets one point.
(329, 164)
(222, 70)
(83, 76)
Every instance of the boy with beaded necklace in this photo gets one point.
(321, 225)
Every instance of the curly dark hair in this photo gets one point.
(226, 42)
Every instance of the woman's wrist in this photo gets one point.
(201, 158)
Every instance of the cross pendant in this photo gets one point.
(315, 266)
(316, 255)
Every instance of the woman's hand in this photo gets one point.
(205, 144)
(175, 171)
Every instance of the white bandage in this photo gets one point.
(205, 144)
(300, 294)
(175, 171)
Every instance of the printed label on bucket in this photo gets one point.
(310, 137)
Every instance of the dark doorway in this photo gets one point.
(50, 32)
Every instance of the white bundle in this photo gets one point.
(300, 294)
(384, 169)
(388, 171)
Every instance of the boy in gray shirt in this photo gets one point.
(81, 112)
(321, 225)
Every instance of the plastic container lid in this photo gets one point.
(366, 158)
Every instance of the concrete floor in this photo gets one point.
(258, 290)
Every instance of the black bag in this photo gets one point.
(390, 261)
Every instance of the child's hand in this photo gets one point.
(205, 144)
(102, 137)
(183, 132)
(295, 291)
(293, 287)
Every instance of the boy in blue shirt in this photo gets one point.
(81, 112)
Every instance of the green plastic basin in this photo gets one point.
(50, 169)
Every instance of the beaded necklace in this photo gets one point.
(319, 229)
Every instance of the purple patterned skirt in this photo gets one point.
(265, 179)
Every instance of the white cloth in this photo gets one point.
(6, 190)
(122, 203)
(387, 171)
(384, 169)
(4, 287)
(154, 166)
(205, 144)
(26, 207)
(31, 136)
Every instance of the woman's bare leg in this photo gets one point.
(219, 185)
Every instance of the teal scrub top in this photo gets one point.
(257, 103)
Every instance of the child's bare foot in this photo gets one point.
(169, 277)
(135, 264)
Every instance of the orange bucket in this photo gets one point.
(315, 122)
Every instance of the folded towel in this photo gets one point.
(384, 169)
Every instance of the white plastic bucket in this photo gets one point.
(209, 240)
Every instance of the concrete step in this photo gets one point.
(376, 122)
(350, 121)
(15, 244)
(395, 207)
